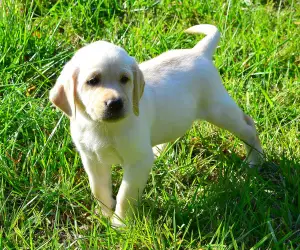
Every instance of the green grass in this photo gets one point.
(199, 195)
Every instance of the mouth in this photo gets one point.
(113, 117)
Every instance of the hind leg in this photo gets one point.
(224, 113)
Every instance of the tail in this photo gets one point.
(209, 43)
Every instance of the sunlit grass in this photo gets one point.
(199, 195)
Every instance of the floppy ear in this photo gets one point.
(62, 95)
(138, 88)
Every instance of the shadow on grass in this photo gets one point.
(230, 204)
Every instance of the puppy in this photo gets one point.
(119, 110)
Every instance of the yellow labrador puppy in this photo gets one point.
(119, 110)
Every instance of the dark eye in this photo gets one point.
(94, 81)
(124, 79)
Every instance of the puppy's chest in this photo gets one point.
(98, 142)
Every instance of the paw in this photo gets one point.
(107, 211)
(159, 149)
(117, 222)
(256, 162)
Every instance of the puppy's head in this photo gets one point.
(101, 80)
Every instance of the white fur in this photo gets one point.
(181, 86)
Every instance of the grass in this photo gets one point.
(199, 195)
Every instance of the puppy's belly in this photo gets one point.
(170, 131)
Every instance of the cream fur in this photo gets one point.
(181, 86)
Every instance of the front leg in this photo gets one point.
(100, 182)
(134, 181)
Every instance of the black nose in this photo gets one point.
(114, 105)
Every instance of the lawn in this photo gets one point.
(200, 193)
